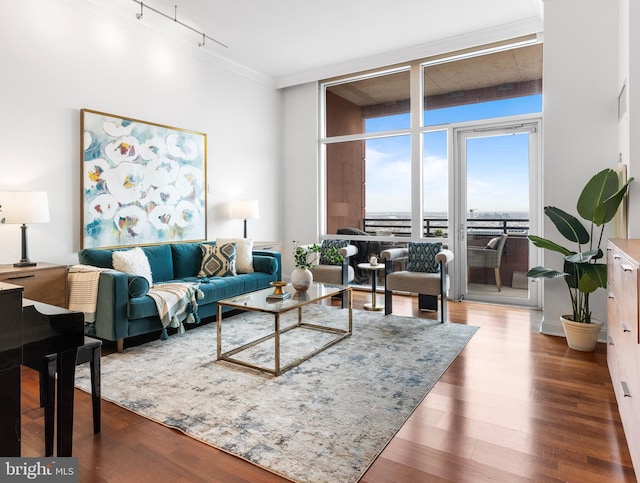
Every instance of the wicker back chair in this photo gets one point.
(487, 257)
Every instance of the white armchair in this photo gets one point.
(430, 287)
(341, 274)
(338, 274)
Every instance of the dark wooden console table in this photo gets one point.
(30, 331)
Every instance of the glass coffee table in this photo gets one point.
(257, 302)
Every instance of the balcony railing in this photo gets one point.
(437, 227)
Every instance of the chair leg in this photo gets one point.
(443, 292)
(443, 308)
(48, 400)
(345, 299)
(498, 280)
(344, 274)
(94, 366)
(388, 294)
(90, 352)
(388, 298)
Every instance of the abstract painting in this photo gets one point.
(142, 183)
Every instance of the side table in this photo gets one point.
(374, 278)
(45, 282)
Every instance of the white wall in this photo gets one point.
(580, 86)
(301, 208)
(630, 123)
(59, 56)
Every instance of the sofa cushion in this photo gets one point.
(244, 255)
(187, 258)
(213, 289)
(218, 261)
(96, 257)
(218, 288)
(265, 264)
(422, 257)
(160, 261)
(133, 261)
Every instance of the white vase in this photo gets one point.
(301, 279)
(581, 336)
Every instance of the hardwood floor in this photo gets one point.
(514, 406)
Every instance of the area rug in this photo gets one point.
(325, 420)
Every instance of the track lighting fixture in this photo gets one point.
(140, 16)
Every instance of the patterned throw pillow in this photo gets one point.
(244, 253)
(422, 257)
(218, 261)
(331, 244)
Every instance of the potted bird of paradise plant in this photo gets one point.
(584, 268)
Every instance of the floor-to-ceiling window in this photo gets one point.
(390, 149)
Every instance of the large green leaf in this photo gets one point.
(584, 257)
(596, 272)
(600, 187)
(573, 273)
(606, 210)
(568, 225)
(549, 245)
(601, 197)
(587, 284)
(543, 272)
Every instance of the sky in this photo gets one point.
(497, 166)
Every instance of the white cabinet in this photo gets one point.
(623, 348)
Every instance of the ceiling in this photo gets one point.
(513, 66)
(290, 39)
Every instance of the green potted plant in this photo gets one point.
(584, 269)
(305, 258)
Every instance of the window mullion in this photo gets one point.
(416, 151)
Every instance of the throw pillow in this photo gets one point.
(493, 243)
(133, 261)
(138, 286)
(218, 260)
(422, 257)
(331, 244)
(244, 254)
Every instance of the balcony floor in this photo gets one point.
(486, 289)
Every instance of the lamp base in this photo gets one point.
(25, 263)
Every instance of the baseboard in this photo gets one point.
(555, 328)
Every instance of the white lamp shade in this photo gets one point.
(245, 210)
(26, 207)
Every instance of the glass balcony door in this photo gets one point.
(496, 177)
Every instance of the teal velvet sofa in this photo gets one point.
(123, 310)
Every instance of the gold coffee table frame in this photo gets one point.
(256, 302)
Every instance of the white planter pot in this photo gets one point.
(580, 336)
(301, 279)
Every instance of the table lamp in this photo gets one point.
(245, 210)
(20, 208)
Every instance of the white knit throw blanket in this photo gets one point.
(83, 290)
(176, 302)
